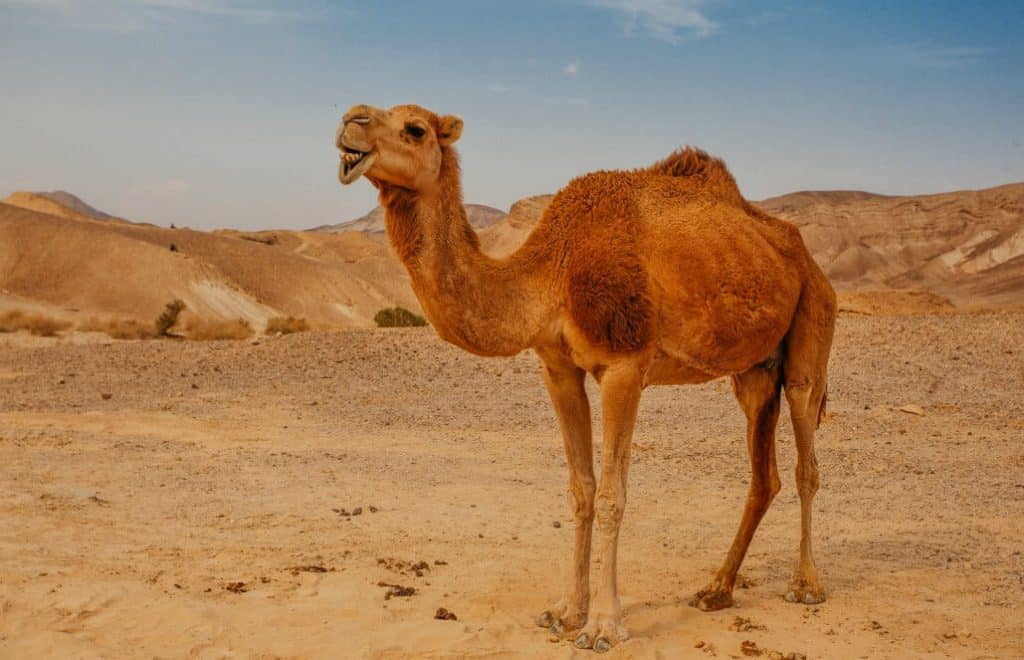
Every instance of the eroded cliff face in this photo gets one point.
(967, 245)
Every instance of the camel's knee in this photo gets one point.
(799, 395)
(806, 399)
(581, 499)
(807, 479)
(609, 508)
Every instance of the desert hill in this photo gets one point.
(480, 217)
(502, 238)
(67, 200)
(966, 245)
(884, 253)
(59, 203)
(71, 264)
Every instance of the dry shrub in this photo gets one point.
(120, 328)
(169, 317)
(398, 317)
(209, 330)
(266, 239)
(37, 324)
(11, 321)
(286, 325)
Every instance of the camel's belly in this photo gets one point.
(670, 370)
(718, 320)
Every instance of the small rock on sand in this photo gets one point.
(748, 647)
(445, 615)
(912, 409)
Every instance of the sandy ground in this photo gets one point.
(170, 499)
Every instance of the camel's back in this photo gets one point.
(656, 258)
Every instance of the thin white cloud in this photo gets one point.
(138, 15)
(928, 56)
(572, 69)
(251, 11)
(665, 20)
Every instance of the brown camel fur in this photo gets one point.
(662, 275)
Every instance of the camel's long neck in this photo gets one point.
(484, 305)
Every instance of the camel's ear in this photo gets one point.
(449, 130)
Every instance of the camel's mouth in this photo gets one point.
(353, 164)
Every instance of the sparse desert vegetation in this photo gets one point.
(120, 328)
(38, 324)
(286, 325)
(398, 317)
(212, 330)
(169, 317)
(265, 239)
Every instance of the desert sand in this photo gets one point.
(263, 498)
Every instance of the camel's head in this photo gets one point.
(403, 146)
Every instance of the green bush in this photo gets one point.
(398, 317)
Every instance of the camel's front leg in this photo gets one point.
(565, 383)
(620, 397)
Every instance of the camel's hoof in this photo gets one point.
(561, 619)
(711, 601)
(602, 645)
(583, 641)
(805, 595)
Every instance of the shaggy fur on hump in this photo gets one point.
(708, 172)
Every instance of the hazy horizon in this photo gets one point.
(211, 113)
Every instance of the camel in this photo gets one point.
(657, 276)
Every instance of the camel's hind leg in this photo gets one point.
(805, 377)
(758, 393)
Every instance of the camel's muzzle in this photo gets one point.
(356, 156)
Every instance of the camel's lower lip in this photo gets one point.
(353, 164)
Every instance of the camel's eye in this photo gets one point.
(415, 130)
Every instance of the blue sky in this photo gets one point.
(221, 113)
